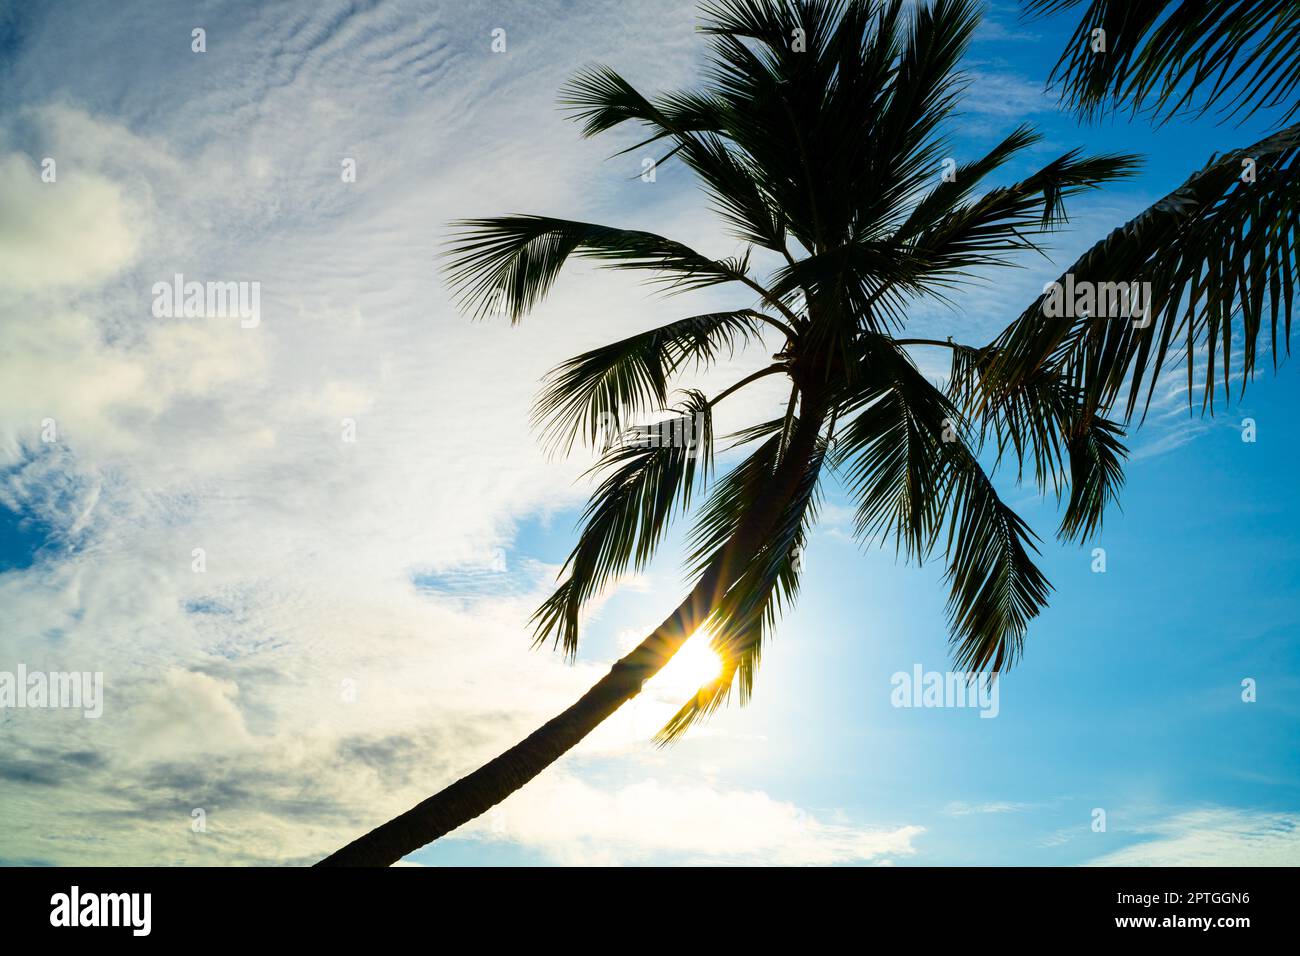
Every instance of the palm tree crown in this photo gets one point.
(818, 137)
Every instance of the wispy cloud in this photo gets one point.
(959, 809)
(1214, 836)
(1002, 94)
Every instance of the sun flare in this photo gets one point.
(691, 668)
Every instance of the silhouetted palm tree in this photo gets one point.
(1221, 250)
(817, 137)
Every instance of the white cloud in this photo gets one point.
(75, 231)
(578, 823)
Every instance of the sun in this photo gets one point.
(691, 668)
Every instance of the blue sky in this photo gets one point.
(358, 638)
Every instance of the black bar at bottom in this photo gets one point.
(677, 906)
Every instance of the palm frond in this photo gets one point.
(995, 587)
(731, 497)
(601, 99)
(1171, 56)
(507, 264)
(648, 481)
(1097, 455)
(944, 238)
(906, 461)
(1003, 221)
(1045, 422)
(902, 147)
(955, 189)
(598, 389)
(890, 463)
(1213, 251)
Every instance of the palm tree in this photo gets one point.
(1214, 249)
(818, 139)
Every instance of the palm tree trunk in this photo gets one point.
(491, 783)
